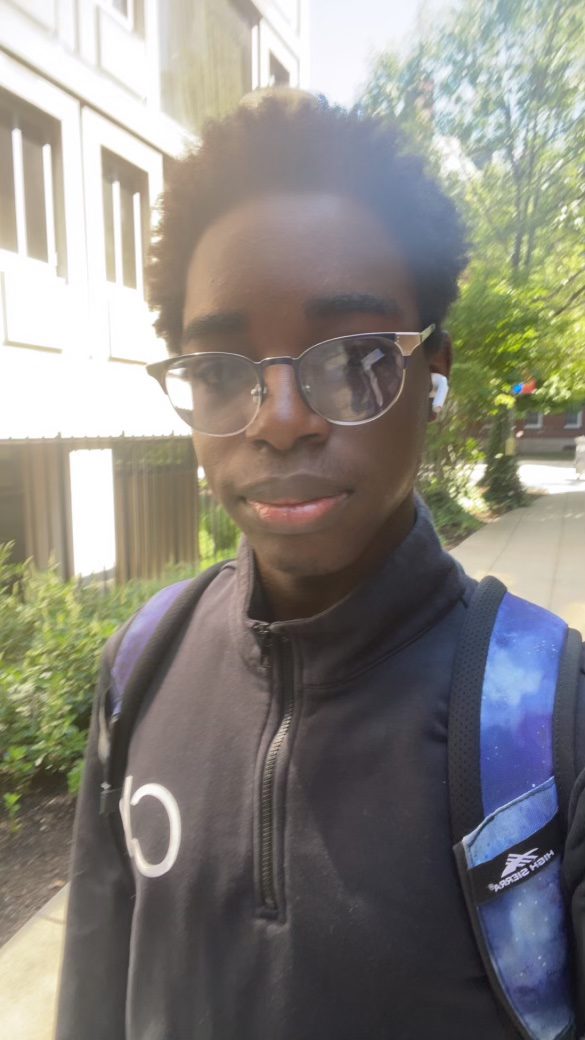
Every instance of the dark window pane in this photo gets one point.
(109, 229)
(43, 226)
(279, 76)
(128, 240)
(34, 196)
(125, 224)
(7, 207)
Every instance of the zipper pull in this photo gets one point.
(264, 639)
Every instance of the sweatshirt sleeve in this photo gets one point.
(574, 858)
(92, 997)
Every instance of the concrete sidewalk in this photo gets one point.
(29, 970)
(539, 552)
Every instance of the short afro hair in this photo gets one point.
(290, 141)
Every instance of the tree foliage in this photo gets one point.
(492, 94)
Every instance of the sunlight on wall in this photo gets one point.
(92, 508)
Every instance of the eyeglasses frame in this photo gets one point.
(159, 369)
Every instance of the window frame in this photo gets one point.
(126, 20)
(113, 303)
(137, 227)
(269, 43)
(20, 195)
(29, 89)
(538, 425)
(578, 412)
(100, 134)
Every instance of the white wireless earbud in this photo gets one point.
(439, 391)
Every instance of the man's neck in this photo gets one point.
(294, 596)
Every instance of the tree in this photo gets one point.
(492, 94)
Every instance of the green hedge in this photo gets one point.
(51, 637)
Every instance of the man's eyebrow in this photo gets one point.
(348, 303)
(208, 324)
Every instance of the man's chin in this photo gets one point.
(295, 559)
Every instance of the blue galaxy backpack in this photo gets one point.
(511, 771)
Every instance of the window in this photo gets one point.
(205, 58)
(279, 76)
(125, 202)
(533, 421)
(277, 65)
(123, 10)
(574, 419)
(31, 184)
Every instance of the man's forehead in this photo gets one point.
(297, 218)
(319, 247)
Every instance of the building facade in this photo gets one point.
(540, 434)
(96, 471)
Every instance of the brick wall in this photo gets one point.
(553, 435)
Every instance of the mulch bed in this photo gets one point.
(34, 854)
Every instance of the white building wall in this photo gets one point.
(72, 345)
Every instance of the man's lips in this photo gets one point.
(298, 500)
(295, 513)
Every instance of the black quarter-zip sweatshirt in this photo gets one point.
(287, 811)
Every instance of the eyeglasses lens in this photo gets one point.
(214, 393)
(354, 379)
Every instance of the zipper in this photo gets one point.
(280, 649)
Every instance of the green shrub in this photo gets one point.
(502, 485)
(452, 520)
(445, 479)
(51, 646)
(52, 634)
(217, 529)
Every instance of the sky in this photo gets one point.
(345, 34)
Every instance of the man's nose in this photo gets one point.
(284, 418)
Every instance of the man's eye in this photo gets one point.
(212, 374)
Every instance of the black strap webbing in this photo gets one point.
(465, 708)
(169, 629)
(564, 721)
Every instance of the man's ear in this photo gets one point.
(440, 367)
(441, 359)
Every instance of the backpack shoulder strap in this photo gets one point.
(465, 707)
(564, 721)
(514, 670)
(138, 652)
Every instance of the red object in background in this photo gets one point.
(528, 388)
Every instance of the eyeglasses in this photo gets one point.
(347, 381)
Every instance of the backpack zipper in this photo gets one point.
(278, 647)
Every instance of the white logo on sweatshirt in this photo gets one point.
(167, 800)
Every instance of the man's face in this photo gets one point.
(273, 276)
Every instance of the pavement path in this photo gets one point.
(29, 970)
(538, 551)
(555, 476)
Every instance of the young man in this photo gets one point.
(286, 806)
